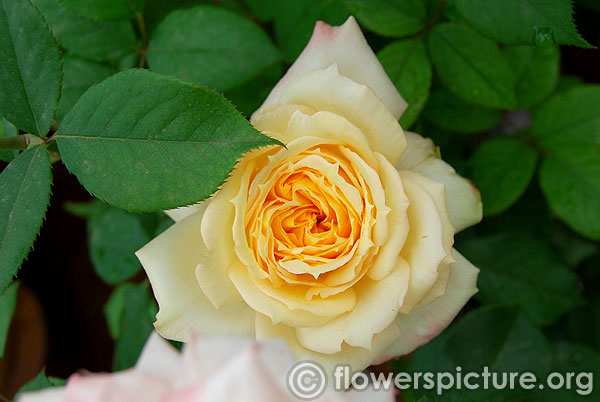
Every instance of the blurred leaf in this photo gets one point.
(500, 338)
(114, 307)
(570, 179)
(580, 325)
(572, 116)
(249, 96)
(147, 142)
(264, 10)
(8, 302)
(536, 71)
(30, 68)
(502, 169)
(295, 21)
(40, 382)
(114, 236)
(471, 66)
(109, 10)
(572, 247)
(519, 269)
(584, 363)
(24, 196)
(79, 75)
(567, 82)
(523, 22)
(162, 226)
(406, 63)
(210, 46)
(135, 325)
(86, 209)
(446, 110)
(7, 130)
(390, 17)
(94, 40)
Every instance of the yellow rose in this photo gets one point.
(340, 242)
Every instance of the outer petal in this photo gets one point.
(46, 395)
(327, 90)
(464, 201)
(421, 325)
(357, 358)
(159, 358)
(178, 214)
(345, 46)
(170, 261)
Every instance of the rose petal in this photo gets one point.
(178, 214)
(170, 261)
(463, 198)
(345, 46)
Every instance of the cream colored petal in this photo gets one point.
(346, 46)
(327, 90)
(275, 118)
(178, 214)
(464, 200)
(45, 395)
(424, 246)
(420, 326)
(262, 303)
(357, 358)
(398, 202)
(376, 308)
(170, 261)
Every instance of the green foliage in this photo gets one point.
(523, 22)
(7, 130)
(518, 269)
(502, 169)
(172, 146)
(389, 17)
(95, 40)
(472, 66)
(406, 63)
(450, 112)
(8, 302)
(536, 71)
(210, 46)
(41, 381)
(30, 68)
(24, 196)
(105, 9)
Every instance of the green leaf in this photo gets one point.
(390, 17)
(146, 142)
(295, 21)
(114, 307)
(570, 179)
(518, 269)
(210, 46)
(446, 110)
(502, 169)
(580, 325)
(80, 74)
(7, 130)
(249, 96)
(523, 22)
(94, 40)
(567, 82)
(24, 196)
(471, 66)
(8, 302)
(41, 381)
(407, 65)
(114, 236)
(109, 10)
(135, 325)
(30, 68)
(584, 364)
(536, 71)
(572, 116)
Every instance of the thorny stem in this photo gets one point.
(18, 142)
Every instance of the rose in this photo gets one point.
(209, 369)
(340, 242)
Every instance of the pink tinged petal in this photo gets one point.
(170, 261)
(178, 214)
(46, 395)
(345, 46)
(421, 325)
(463, 198)
(327, 90)
(159, 358)
(376, 308)
(124, 386)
